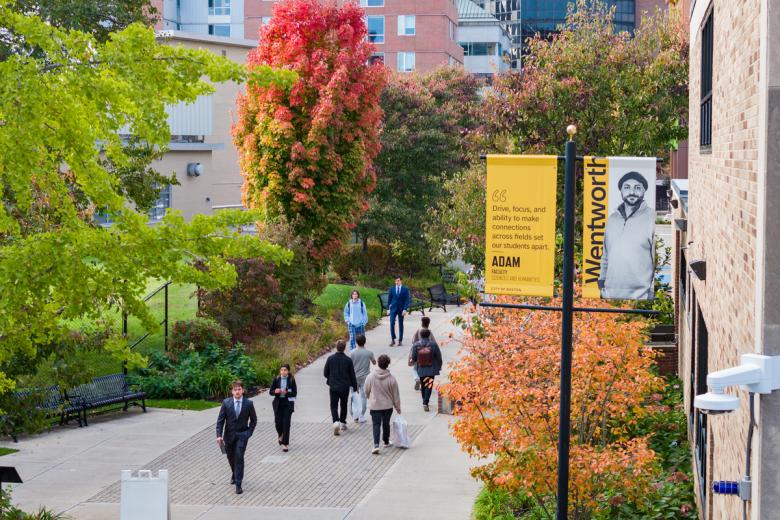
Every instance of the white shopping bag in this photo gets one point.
(357, 405)
(399, 433)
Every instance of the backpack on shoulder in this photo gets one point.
(424, 355)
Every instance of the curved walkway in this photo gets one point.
(322, 477)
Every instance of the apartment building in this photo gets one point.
(485, 40)
(727, 253)
(214, 17)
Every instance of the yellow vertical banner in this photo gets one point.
(520, 224)
(595, 209)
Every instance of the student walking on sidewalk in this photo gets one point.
(284, 390)
(356, 317)
(235, 424)
(362, 359)
(383, 396)
(427, 355)
(425, 322)
(398, 300)
(340, 375)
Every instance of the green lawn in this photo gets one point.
(182, 404)
(335, 296)
(182, 305)
(7, 451)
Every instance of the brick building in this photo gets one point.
(727, 251)
(410, 35)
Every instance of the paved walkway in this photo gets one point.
(322, 477)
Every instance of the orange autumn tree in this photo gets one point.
(507, 387)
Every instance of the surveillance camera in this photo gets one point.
(757, 373)
(716, 403)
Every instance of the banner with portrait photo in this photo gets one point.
(618, 246)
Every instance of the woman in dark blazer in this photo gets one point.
(283, 389)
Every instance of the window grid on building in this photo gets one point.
(376, 29)
(161, 205)
(405, 61)
(219, 29)
(219, 7)
(407, 25)
(705, 120)
(372, 3)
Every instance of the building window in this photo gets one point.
(377, 57)
(219, 29)
(405, 61)
(479, 48)
(705, 121)
(406, 25)
(700, 427)
(219, 7)
(163, 203)
(376, 29)
(372, 3)
(452, 30)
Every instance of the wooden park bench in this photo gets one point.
(415, 305)
(53, 404)
(440, 297)
(105, 391)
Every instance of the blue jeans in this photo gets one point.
(393, 315)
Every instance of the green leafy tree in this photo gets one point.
(425, 140)
(307, 154)
(627, 95)
(60, 113)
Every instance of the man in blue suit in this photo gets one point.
(398, 301)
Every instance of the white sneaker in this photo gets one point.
(336, 428)
(389, 444)
(375, 451)
(343, 427)
(362, 420)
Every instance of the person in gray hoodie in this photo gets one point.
(628, 258)
(383, 395)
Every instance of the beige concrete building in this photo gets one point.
(201, 152)
(727, 248)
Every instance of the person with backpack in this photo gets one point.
(425, 322)
(427, 355)
(339, 373)
(383, 396)
(356, 317)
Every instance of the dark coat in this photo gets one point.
(400, 301)
(435, 368)
(292, 391)
(340, 372)
(243, 425)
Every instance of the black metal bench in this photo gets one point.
(105, 391)
(440, 297)
(53, 403)
(415, 305)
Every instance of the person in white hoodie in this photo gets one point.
(356, 317)
(383, 395)
(628, 258)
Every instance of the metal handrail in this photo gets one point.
(125, 316)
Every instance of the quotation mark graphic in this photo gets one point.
(499, 196)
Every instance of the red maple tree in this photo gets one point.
(306, 153)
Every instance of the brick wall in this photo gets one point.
(722, 219)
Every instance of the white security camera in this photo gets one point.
(757, 373)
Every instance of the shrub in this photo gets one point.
(265, 295)
(196, 334)
(197, 375)
(9, 512)
(22, 416)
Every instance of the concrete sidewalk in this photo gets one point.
(322, 477)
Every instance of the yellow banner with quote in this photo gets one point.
(520, 224)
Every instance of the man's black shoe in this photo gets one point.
(232, 480)
(239, 490)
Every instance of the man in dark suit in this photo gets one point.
(237, 419)
(398, 301)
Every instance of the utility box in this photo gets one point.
(145, 497)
